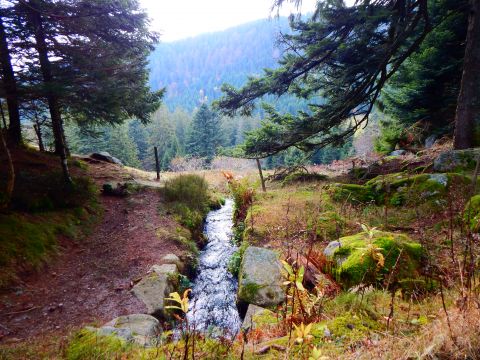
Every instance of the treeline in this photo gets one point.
(198, 137)
(176, 134)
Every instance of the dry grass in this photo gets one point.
(433, 341)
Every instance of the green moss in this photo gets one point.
(356, 264)
(265, 318)
(347, 328)
(88, 345)
(248, 291)
(352, 193)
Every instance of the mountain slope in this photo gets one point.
(198, 66)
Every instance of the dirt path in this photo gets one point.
(90, 279)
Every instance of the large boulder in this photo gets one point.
(456, 160)
(105, 156)
(374, 257)
(260, 278)
(141, 329)
(156, 286)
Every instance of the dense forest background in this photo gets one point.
(192, 71)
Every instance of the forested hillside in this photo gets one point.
(196, 67)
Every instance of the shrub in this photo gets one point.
(190, 200)
(242, 197)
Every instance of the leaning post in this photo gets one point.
(157, 165)
(261, 175)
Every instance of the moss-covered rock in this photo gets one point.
(400, 189)
(352, 192)
(456, 160)
(376, 258)
(471, 214)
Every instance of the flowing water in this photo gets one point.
(214, 293)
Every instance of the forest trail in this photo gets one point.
(90, 279)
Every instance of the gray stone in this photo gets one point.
(155, 287)
(442, 179)
(430, 141)
(144, 329)
(455, 160)
(123, 333)
(174, 259)
(164, 269)
(260, 278)
(249, 320)
(331, 247)
(398, 152)
(105, 156)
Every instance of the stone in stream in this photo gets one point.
(260, 278)
(156, 286)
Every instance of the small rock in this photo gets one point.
(173, 259)
(252, 310)
(105, 156)
(327, 332)
(331, 247)
(350, 326)
(430, 141)
(400, 152)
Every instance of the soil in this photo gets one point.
(90, 280)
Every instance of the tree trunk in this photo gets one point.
(467, 118)
(38, 131)
(53, 104)
(10, 181)
(10, 86)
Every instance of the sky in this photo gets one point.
(179, 19)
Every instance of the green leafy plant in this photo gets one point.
(181, 302)
(293, 277)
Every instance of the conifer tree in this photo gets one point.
(205, 134)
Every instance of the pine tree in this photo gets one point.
(426, 86)
(205, 134)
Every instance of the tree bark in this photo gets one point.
(10, 182)
(10, 86)
(53, 103)
(467, 117)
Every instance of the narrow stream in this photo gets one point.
(214, 292)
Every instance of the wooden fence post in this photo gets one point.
(261, 175)
(157, 165)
